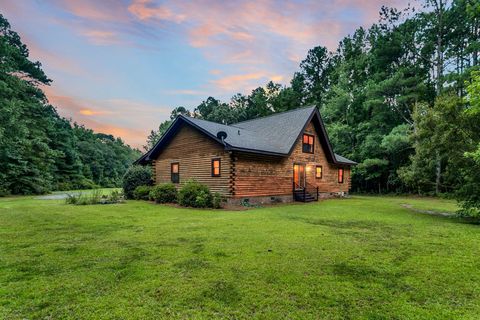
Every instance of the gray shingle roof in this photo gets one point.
(339, 158)
(275, 134)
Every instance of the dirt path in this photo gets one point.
(430, 212)
(56, 196)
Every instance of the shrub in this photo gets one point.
(134, 177)
(114, 197)
(142, 193)
(94, 197)
(217, 200)
(3, 192)
(164, 193)
(195, 194)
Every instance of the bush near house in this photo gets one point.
(164, 193)
(217, 200)
(195, 194)
(142, 193)
(134, 177)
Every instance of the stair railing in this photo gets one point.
(312, 190)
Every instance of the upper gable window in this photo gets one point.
(308, 143)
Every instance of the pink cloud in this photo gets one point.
(101, 37)
(143, 9)
(105, 10)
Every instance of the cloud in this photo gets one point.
(246, 81)
(105, 10)
(143, 9)
(101, 37)
(117, 116)
(243, 43)
(90, 112)
(215, 71)
(234, 82)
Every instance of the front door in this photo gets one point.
(299, 176)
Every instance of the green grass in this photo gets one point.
(359, 258)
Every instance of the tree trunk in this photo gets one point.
(439, 49)
(438, 173)
(475, 51)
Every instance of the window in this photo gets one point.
(215, 167)
(318, 172)
(175, 172)
(340, 175)
(307, 145)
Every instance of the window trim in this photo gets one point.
(219, 167)
(338, 175)
(321, 172)
(313, 143)
(172, 173)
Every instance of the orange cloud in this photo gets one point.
(234, 82)
(90, 112)
(276, 78)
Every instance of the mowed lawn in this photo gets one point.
(358, 258)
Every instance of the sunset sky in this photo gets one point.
(120, 66)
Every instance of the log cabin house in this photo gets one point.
(279, 158)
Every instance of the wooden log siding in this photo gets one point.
(257, 175)
(194, 152)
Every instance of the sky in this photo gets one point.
(120, 66)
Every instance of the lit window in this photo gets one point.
(340, 175)
(215, 167)
(307, 145)
(318, 172)
(175, 172)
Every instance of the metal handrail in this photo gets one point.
(313, 190)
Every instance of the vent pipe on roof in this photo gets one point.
(222, 135)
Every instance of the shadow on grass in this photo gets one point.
(222, 291)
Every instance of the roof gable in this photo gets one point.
(273, 135)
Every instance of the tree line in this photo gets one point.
(39, 150)
(393, 97)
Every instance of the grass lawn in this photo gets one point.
(359, 258)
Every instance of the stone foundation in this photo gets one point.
(261, 200)
(279, 198)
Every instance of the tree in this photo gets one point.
(39, 150)
(440, 134)
(316, 70)
(26, 159)
(469, 192)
